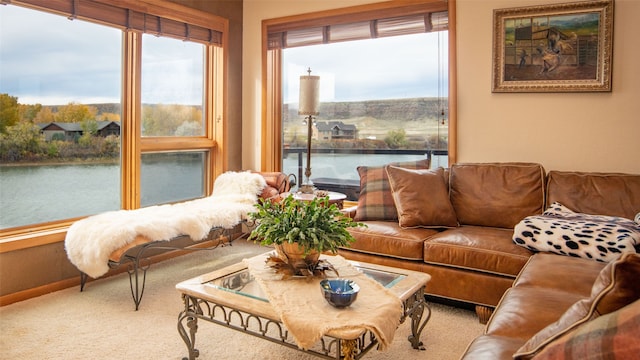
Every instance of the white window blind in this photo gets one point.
(128, 15)
(339, 30)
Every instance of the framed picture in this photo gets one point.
(553, 48)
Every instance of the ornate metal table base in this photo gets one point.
(328, 348)
(414, 307)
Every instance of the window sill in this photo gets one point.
(31, 238)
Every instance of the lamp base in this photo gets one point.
(307, 188)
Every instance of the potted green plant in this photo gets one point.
(301, 230)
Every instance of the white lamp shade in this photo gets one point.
(309, 95)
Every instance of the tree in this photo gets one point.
(75, 113)
(9, 112)
(22, 141)
(29, 112)
(45, 115)
(109, 117)
(164, 120)
(89, 127)
(189, 128)
(396, 139)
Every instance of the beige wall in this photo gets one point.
(567, 131)
(563, 131)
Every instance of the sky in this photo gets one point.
(383, 68)
(36, 66)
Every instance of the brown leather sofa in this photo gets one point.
(562, 307)
(277, 183)
(477, 261)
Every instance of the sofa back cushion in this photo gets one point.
(496, 194)
(611, 194)
(421, 197)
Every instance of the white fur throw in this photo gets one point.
(90, 241)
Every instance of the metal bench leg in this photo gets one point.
(83, 280)
(137, 286)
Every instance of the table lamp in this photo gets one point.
(308, 106)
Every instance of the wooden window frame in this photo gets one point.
(271, 118)
(210, 30)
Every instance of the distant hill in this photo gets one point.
(102, 108)
(108, 107)
(392, 109)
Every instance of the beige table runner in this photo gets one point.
(308, 316)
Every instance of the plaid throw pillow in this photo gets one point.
(376, 200)
(612, 336)
(614, 288)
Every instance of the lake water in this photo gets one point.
(343, 166)
(36, 194)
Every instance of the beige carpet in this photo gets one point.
(100, 323)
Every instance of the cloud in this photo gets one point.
(172, 71)
(38, 65)
(49, 59)
(381, 68)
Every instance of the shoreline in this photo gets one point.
(61, 162)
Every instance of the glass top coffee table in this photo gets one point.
(230, 297)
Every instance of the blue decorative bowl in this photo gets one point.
(339, 292)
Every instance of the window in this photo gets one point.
(172, 87)
(118, 103)
(172, 102)
(374, 108)
(64, 145)
(372, 112)
(183, 173)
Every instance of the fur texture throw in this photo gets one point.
(90, 241)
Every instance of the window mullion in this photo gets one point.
(272, 116)
(130, 131)
(216, 115)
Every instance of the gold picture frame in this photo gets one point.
(553, 48)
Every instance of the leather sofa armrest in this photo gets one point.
(277, 183)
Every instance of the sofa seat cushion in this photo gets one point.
(525, 310)
(477, 248)
(387, 238)
(570, 274)
(486, 347)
